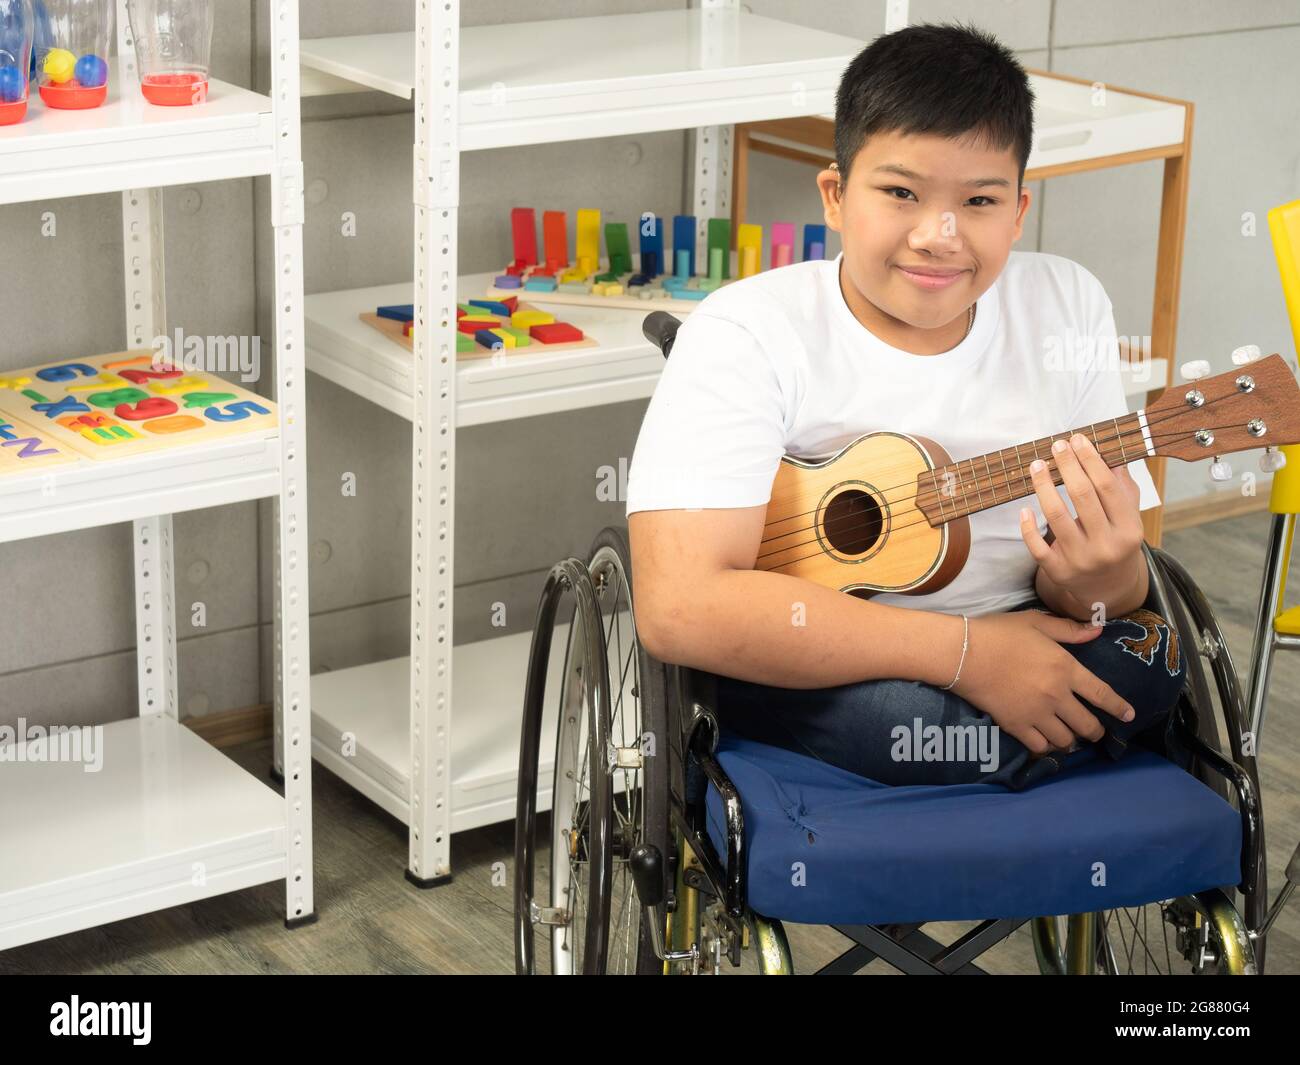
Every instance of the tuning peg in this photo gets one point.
(1194, 370)
(1244, 354)
(1272, 460)
(1220, 469)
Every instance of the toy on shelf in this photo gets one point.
(71, 50)
(173, 46)
(670, 281)
(15, 59)
(485, 327)
(112, 406)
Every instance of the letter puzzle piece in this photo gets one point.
(125, 403)
(24, 448)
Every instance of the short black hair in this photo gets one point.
(947, 79)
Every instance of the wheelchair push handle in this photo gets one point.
(660, 328)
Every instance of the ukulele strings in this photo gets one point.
(864, 520)
(1116, 436)
(895, 530)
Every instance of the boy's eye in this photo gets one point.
(988, 201)
(889, 191)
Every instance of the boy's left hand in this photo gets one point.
(1093, 555)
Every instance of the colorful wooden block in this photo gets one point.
(684, 245)
(618, 249)
(555, 333)
(523, 231)
(398, 312)
(524, 319)
(507, 339)
(719, 238)
(587, 241)
(814, 234)
(652, 246)
(782, 234)
(540, 284)
(489, 340)
(496, 307)
(749, 245)
(522, 339)
(555, 239)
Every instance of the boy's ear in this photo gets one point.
(829, 184)
(1021, 211)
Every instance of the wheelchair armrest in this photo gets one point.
(1247, 800)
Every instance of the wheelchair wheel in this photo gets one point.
(1199, 934)
(610, 786)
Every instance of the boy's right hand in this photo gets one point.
(1018, 673)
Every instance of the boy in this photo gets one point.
(926, 324)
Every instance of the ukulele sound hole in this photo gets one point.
(852, 522)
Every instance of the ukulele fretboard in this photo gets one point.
(986, 481)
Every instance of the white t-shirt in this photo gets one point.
(777, 363)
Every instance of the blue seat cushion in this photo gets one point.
(826, 846)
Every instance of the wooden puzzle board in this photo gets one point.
(120, 404)
(392, 329)
(24, 448)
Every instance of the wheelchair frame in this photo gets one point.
(904, 946)
(694, 733)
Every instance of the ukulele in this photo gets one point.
(889, 511)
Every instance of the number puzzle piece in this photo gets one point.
(183, 384)
(235, 412)
(149, 407)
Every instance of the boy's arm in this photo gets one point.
(699, 602)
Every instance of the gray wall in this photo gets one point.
(525, 488)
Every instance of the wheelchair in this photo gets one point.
(674, 846)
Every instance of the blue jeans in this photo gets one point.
(908, 732)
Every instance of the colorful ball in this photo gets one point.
(12, 85)
(59, 65)
(91, 71)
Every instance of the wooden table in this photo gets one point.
(1079, 126)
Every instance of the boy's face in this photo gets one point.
(926, 224)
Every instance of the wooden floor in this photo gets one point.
(373, 921)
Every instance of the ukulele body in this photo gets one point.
(851, 521)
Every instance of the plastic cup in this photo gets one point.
(173, 47)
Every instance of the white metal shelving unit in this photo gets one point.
(167, 819)
(436, 734)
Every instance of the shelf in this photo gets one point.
(166, 820)
(345, 350)
(89, 493)
(1069, 127)
(373, 704)
(612, 75)
(355, 356)
(128, 143)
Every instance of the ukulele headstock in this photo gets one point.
(1254, 405)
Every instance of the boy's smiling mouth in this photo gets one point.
(930, 278)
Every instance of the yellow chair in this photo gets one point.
(1276, 627)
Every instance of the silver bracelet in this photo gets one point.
(965, 640)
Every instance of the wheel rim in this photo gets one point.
(1200, 934)
(572, 791)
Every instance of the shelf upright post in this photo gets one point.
(292, 622)
(711, 187)
(433, 434)
(146, 318)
